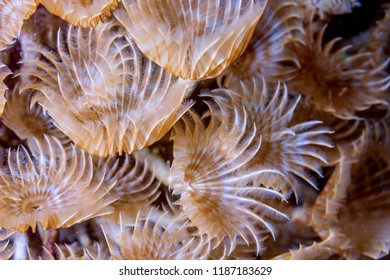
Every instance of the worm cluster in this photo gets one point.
(194, 129)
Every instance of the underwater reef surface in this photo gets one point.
(179, 129)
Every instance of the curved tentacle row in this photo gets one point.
(50, 187)
(354, 205)
(158, 236)
(193, 39)
(267, 54)
(316, 251)
(12, 15)
(84, 13)
(337, 82)
(104, 94)
(134, 184)
(28, 121)
(71, 252)
(210, 175)
(296, 150)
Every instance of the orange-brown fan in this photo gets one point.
(193, 39)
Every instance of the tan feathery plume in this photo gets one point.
(192, 39)
(133, 183)
(159, 236)
(28, 121)
(84, 13)
(347, 131)
(337, 82)
(50, 187)
(295, 150)
(210, 174)
(354, 205)
(266, 54)
(104, 94)
(12, 15)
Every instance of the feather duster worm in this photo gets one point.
(209, 173)
(354, 206)
(135, 186)
(84, 13)
(104, 94)
(6, 248)
(159, 236)
(345, 131)
(294, 150)
(50, 188)
(335, 82)
(266, 54)
(28, 120)
(12, 15)
(4, 72)
(191, 39)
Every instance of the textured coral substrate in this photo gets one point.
(194, 129)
